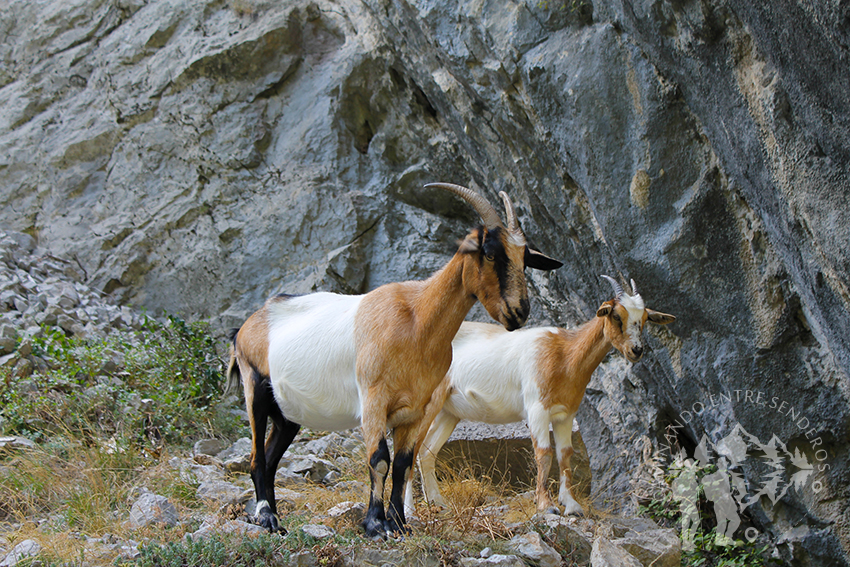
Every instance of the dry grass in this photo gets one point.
(79, 487)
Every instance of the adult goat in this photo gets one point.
(331, 362)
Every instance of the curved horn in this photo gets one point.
(634, 288)
(513, 226)
(484, 209)
(618, 290)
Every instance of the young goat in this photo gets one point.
(538, 375)
(332, 362)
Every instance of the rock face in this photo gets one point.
(200, 156)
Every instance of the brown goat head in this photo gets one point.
(495, 258)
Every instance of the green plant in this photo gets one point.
(236, 551)
(164, 387)
(663, 510)
(705, 550)
(706, 553)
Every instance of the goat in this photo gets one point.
(332, 362)
(538, 375)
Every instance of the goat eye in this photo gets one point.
(489, 257)
(615, 317)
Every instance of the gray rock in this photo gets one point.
(310, 467)
(25, 347)
(240, 448)
(223, 492)
(533, 549)
(238, 464)
(24, 550)
(317, 531)
(495, 560)
(303, 558)
(374, 556)
(211, 528)
(347, 513)
(622, 527)
(23, 368)
(567, 534)
(658, 548)
(153, 509)
(285, 477)
(331, 478)
(332, 444)
(7, 345)
(606, 554)
(208, 447)
(9, 360)
(354, 486)
(15, 442)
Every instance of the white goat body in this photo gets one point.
(312, 358)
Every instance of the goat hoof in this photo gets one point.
(269, 521)
(573, 509)
(393, 528)
(374, 528)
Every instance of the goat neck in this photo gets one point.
(584, 349)
(443, 301)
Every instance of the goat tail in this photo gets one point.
(234, 377)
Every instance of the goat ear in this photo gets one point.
(538, 261)
(468, 245)
(605, 309)
(658, 317)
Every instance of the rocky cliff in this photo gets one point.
(197, 157)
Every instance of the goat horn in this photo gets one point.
(634, 288)
(513, 226)
(618, 290)
(485, 210)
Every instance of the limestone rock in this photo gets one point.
(495, 560)
(347, 514)
(211, 528)
(16, 442)
(210, 447)
(223, 492)
(533, 549)
(153, 509)
(659, 548)
(24, 550)
(238, 449)
(317, 531)
(606, 554)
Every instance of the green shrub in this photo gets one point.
(165, 387)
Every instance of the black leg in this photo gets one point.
(402, 463)
(379, 466)
(263, 406)
(281, 436)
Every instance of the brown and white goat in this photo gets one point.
(330, 362)
(538, 375)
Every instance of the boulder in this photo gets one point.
(22, 551)
(495, 560)
(153, 509)
(534, 550)
(606, 554)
